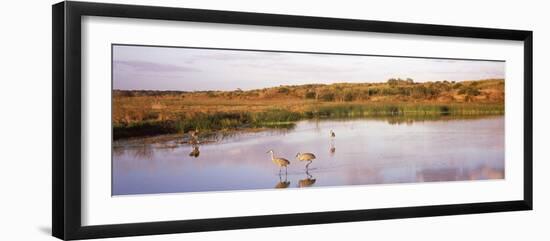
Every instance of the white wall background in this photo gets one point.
(25, 120)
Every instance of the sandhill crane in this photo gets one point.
(309, 157)
(194, 134)
(279, 161)
(194, 137)
(332, 135)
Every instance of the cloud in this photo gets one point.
(144, 66)
(234, 56)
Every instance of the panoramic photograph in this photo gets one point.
(209, 120)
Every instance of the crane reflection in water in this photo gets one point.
(308, 181)
(332, 148)
(281, 183)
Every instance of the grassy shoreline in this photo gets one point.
(282, 118)
(148, 113)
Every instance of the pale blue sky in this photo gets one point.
(185, 69)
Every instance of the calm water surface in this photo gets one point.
(365, 151)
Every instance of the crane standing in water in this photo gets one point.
(279, 161)
(332, 135)
(194, 141)
(309, 157)
(194, 137)
(194, 133)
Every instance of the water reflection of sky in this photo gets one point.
(363, 152)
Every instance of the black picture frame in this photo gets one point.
(66, 127)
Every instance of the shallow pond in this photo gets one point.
(363, 151)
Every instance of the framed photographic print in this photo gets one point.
(170, 120)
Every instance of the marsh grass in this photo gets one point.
(282, 118)
(396, 109)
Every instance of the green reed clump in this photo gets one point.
(213, 121)
(274, 116)
(403, 109)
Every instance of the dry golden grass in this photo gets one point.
(171, 106)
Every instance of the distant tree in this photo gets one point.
(419, 91)
(348, 96)
(327, 96)
(390, 91)
(283, 90)
(373, 91)
(469, 90)
(393, 81)
(364, 95)
(310, 95)
(404, 91)
(398, 81)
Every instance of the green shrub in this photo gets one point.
(373, 91)
(310, 95)
(469, 90)
(283, 90)
(151, 115)
(348, 96)
(327, 96)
